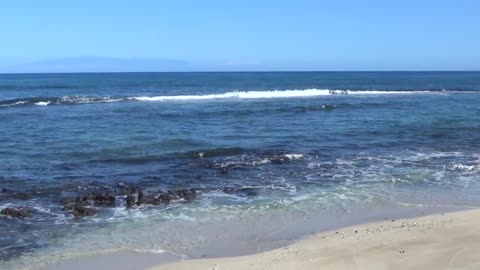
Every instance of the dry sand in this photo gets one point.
(447, 241)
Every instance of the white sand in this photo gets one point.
(449, 241)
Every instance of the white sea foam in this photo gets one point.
(274, 94)
(13, 104)
(294, 156)
(86, 99)
(153, 250)
(42, 103)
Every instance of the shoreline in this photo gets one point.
(439, 241)
(360, 243)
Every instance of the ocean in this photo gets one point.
(264, 158)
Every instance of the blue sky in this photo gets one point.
(181, 35)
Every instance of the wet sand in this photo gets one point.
(441, 241)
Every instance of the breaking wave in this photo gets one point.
(275, 94)
(71, 100)
(67, 100)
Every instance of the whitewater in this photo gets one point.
(45, 101)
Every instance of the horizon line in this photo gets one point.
(240, 71)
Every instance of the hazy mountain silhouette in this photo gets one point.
(100, 64)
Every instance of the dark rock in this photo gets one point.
(187, 194)
(130, 201)
(15, 212)
(278, 159)
(328, 107)
(223, 170)
(82, 211)
(105, 199)
(130, 190)
(89, 197)
(4, 190)
(79, 209)
(166, 198)
(121, 185)
(67, 200)
(126, 190)
(68, 207)
(140, 198)
(249, 191)
(77, 206)
(99, 199)
(147, 199)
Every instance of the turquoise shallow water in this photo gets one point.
(273, 145)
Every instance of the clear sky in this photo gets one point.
(224, 35)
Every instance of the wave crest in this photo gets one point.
(71, 100)
(274, 94)
(67, 100)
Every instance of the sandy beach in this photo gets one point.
(441, 241)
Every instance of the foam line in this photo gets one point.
(275, 94)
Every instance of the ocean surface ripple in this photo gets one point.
(183, 162)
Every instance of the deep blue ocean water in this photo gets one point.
(289, 143)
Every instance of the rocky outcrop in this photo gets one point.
(152, 199)
(78, 207)
(166, 198)
(15, 212)
(125, 189)
(104, 200)
(186, 194)
(130, 201)
(85, 204)
(82, 211)
(162, 197)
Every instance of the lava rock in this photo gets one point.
(104, 199)
(187, 194)
(99, 199)
(67, 200)
(278, 159)
(166, 198)
(126, 189)
(79, 209)
(121, 185)
(15, 212)
(130, 201)
(250, 192)
(328, 107)
(148, 199)
(82, 211)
